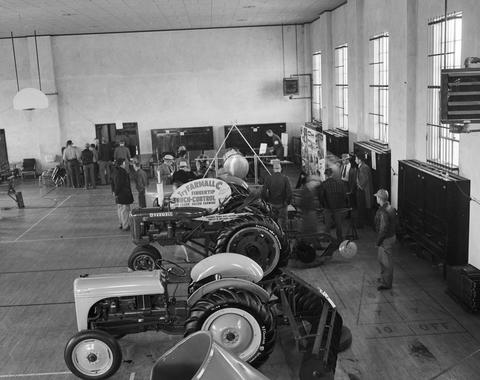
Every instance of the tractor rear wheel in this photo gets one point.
(144, 258)
(258, 238)
(93, 354)
(238, 320)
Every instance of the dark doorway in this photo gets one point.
(129, 134)
(4, 165)
(106, 131)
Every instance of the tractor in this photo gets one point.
(226, 295)
(210, 216)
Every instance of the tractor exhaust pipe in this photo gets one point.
(198, 357)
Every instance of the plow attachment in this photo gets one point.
(316, 325)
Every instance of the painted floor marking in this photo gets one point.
(35, 374)
(35, 224)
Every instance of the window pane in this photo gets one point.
(444, 51)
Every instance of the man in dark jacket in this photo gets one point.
(332, 195)
(364, 192)
(105, 157)
(141, 182)
(385, 225)
(278, 192)
(277, 146)
(123, 193)
(88, 167)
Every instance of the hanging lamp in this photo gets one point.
(29, 99)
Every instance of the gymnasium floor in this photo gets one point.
(414, 331)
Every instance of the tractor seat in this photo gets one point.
(189, 212)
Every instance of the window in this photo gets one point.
(444, 49)
(379, 86)
(317, 86)
(341, 86)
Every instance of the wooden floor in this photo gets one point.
(414, 331)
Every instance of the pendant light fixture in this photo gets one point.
(29, 99)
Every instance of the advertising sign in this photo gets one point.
(314, 148)
(206, 193)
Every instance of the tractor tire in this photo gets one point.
(238, 321)
(144, 258)
(93, 354)
(258, 238)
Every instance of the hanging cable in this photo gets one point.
(283, 53)
(15, 61)
(38, 63)
(296, 47)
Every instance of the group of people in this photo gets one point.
(103, 163)
(349, 193)
(177, 170)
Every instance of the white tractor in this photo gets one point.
(222, 297)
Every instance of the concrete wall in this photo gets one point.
(29, 134)
(159, 79)
(406, 22)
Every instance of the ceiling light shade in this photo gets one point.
(28, 99)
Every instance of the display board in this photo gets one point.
(193, 138)
(314, 147)
(255, 135)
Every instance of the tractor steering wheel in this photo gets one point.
(175, 269)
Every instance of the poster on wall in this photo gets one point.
(314, 147)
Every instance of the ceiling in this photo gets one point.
(57, 17)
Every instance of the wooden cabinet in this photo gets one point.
(337, 141)
(434, 209)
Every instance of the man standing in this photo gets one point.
(104, 159)
(364, 191)
(385, 225)
(166, 169)
(141, 182)
(71, 158)
(123, 193)
(277, 144)
(88, 168)
(278, 192)
(333, 198)
(122, 151)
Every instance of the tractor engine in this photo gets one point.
(132, 314)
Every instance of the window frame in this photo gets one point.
(317, 100)
(443, 51)
(379, 62)
(341, 85)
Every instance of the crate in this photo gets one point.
(464, 285)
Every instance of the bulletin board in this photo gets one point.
(314, 147)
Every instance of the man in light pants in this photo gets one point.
(385, 225)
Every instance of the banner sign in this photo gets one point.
(206, 193)
(214, 218)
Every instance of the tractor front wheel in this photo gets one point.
(238, 321)
(144, 258)
(92, 354)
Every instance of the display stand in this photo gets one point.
(255, 155)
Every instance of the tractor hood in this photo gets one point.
(227, 265)
(118, 284)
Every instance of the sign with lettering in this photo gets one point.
(206, 193)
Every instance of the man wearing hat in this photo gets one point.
(278, 192)
(348, 174)
(333, 198)
(385, 225)
(166, 169)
